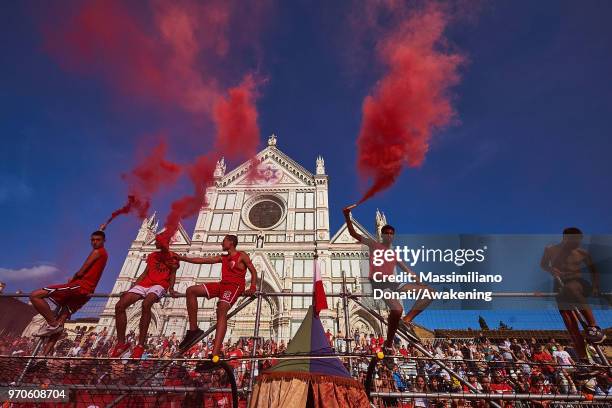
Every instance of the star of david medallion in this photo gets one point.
(269, 174)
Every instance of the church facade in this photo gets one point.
(281, 218)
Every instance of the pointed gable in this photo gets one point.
(274, 168)
(342, 236)
(180, 237)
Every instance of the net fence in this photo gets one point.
(512, 368)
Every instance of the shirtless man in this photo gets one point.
(233, 271)
(388, 268)
(565, 262)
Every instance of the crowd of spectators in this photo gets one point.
(520, 366)
(498, 366)
(105, 372)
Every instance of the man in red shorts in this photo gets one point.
(71, 296)
(233, 270)
(156, 280)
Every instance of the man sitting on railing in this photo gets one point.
(71, 296)
(233, 271)
(157, 279)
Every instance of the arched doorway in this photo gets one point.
(243, 324)
(364, 323)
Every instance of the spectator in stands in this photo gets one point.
(522, 364)
(384, 383)
(440, 386)
(363, 341)
(437, 384)
(399, 380)
(340, 341)
(562, 357)
(499, 384)
(473, 380)
(515, 347)
(485, 381)
(480, 364)
(282, 347)
(373, 341)
(420, 385)
(543, 356)
(604, 385)
(330, 337)
(522, 384)
(565, 383)
(538, 387)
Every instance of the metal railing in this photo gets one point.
(345, 296)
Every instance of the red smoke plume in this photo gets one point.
(235, 117)
(132, 204)
(173, 54)
(410, 102)
(151, 174)
(157, 60)
(236, 138)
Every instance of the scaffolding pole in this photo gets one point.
(347, 324)
(256, 334)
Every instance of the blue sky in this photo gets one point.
(529, 154)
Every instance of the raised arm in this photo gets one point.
(207, 260)
(351, 228)
(247, 261)
(95, 254)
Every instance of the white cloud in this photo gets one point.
(35, 272)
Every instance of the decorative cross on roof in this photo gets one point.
(272, 140)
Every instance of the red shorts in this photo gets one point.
(225, 291)
(68, 295)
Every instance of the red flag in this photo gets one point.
(319, 300)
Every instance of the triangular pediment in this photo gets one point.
(180, 237)
(275, 168)
(342, 236)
